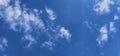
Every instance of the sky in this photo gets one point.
(59, 28)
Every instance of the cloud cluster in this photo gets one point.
(103, 35)
(103, 6)
(18, 18)
(59, 33)
(29, 22)
(105, 31)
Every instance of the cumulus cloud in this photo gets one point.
(51, 14)
(103, 6)
(103, 35)
(3, 44)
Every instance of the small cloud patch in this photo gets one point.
(64, 33)
(103, 37)
(49, 44)
(3, 44)
(51, 14)
(30, 39)
(116, 17)
(112, 27)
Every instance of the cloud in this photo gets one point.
(56, 33)
(51, 14)
(64, 33)
(105, 32)
(118, 9)
(4, 2)
(17, 17)
(103, 6)
(112, 27)
(48, 44)
(3, 44)
(29, 22)
(20, 20)
(116, 17)
(103, 35)
(30, 39)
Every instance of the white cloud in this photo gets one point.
(4, 2)
(64, 33)
(3, 44)
(103, 35)
(56, 33)
(27, 21)
(103, 6)
(31, 40)
(116, 17)
(51, 14)
(17, 17)
(105, 30)
(48, 44)
(112, 27)
(36, 10)
(118, 9)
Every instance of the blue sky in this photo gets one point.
(59, 28)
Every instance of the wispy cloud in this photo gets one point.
(30, 39)
(3, 44)
(112, 27)
(51, 14)
(49, 44)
